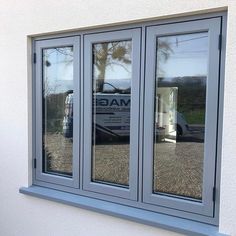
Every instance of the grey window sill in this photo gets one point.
(171, 223)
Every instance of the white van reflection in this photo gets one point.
(113, 118)
(168, 121)
(68, 117)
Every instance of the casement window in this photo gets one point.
(181, 65)
(130, 116)
(111, 82)
(57, 77)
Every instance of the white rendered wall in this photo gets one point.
(27, 216)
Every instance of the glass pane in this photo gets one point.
(180, 98)
(57, 110)
(112, 74)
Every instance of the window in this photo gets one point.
(130, 116)
(182, 115)
(111, 81)
(57, 77)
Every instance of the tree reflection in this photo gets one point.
(107, 55)
(55, 60)
(164, 51)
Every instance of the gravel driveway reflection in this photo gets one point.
(178, 167)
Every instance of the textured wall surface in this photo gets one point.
(26, 216)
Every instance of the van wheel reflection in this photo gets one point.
(179, 131)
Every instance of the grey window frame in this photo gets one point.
(73, 193)
(39, 175)
(212, 26)
(89, 40)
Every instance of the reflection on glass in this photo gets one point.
(111, 112)
(57, 110)
(180, 99)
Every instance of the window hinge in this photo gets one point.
(220, 42)
(214, 194)
(34, 163)
(34, 58)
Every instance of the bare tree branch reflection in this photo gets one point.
(109, 55)
(164, 51)
(55, 57)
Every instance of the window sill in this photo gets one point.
(175, 224)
